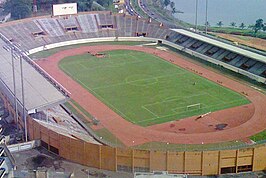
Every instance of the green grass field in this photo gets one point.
(146, 89)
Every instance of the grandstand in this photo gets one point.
(87, 23)
(38, 32)
(43, 93)
(39, 92)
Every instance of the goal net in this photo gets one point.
(193, 107)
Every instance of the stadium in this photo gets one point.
(125, 74)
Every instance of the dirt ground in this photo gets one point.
(38, 162)
(231, 124)
(245, 40)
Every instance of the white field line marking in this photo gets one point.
(84, 67)
(128, 82)
(101, 98)
(184, 107)
(174, 99)
(178, 113)
(150, 111)
(216, 98)
(175, 113)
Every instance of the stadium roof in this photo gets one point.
(39, 92)
(223, 45)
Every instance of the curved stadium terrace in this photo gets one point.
(37, 34)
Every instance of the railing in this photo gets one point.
(209, 36)
(88, 129)
(23, 146)
(23, 54)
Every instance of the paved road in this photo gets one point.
(130, 9)
(145, 8)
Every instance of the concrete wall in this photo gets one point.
(118, 159)
(88, 40)
(24, 146)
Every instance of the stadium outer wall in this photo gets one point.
(118, 159)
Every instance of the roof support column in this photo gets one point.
(23, 99)
(14, 85)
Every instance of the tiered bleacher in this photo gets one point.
(69, 24)
(219, 53)
(87, 23)
(38, 32)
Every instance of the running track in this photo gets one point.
(242, 121)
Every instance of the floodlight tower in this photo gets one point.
(196, 16)
(206, 18)
(34, 8)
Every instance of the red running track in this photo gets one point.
(243, 121)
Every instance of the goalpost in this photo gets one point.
(193, 106)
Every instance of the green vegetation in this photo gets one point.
(147, 90)
(189, 147)
(47, 53)
(19, 9)
(220, 24)
(109, 137)
(208, 65)
(158, 7)
(23, 8)
(101, 133)
(82, 109)
(242, 26)
(74, 111)
(78, 114)
(111, 7)
(259, 26)
(235, 31)
(259, 137)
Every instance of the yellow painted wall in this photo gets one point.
(108, 158)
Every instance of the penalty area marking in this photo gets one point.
(150, 111)
(215, 105)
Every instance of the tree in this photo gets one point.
(172, 4)
(251, 27)
(207, 24)
(174, 10)
(166, 2)
(84, 5)
(259, 25)
(18, 8)
(242, 26)
(233, 24)
(264, 28)
(220, 24)
(104, 3)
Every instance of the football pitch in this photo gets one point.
(145, 89)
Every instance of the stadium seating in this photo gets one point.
(120, 20)
(69, 23)
(87, 22)
(128, 26)
(50, 26)
(37, 32)
(261, 70)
